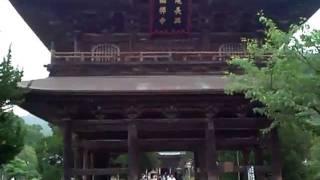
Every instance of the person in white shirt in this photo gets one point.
(172, 177)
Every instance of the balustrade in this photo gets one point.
(143, 57)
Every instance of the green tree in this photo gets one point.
(314, 163)
(49, 152)
(295, 149)
(288, 81)
(24, 165)
(33, 135)
(9, 78)
(283, 73)
(11, 136)
(11, 131)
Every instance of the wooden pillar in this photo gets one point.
(77, 161)
(245, 162)
(75, 44)
(196, 165)
(52, 51)
(259, 162)
(205, 38)
(133, 152)
(276, 156)
(77, 154)
(211, 152)
(67, 150)
(85, 164)
(202, 163)
(91, 158)
(205, 24)
(132, 24)
(133, 31)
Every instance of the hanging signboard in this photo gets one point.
(170, 16)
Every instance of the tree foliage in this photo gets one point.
(24, 165)
(50, 152)
(295, 150)
(11, 131)
(314, 163)
(9, 79)
(282, 72)
(11, 136)
(33, 135)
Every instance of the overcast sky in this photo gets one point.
(28, 51)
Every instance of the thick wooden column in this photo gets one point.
(211, 152)
(202, 163)
(75, 41)
(133, 31)
(245, 162)
(77, 154)
(77, 160)
(276, 156)
(85, 164)
(67, 150)
(91, 165)
(132, 25)
(196, 165)
(205, 24)
(133, 152)
(259, 162)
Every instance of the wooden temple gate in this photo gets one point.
(129, 76)
(199, 121)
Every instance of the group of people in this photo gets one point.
(167, 177)
(161, 177)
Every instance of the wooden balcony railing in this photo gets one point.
(143, 57)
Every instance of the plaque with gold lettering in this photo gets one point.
(170, 16)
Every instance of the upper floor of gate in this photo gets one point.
(111, 37)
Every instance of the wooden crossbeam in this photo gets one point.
(168, 120)
(99, 171)
(171, 124)
(166, 144)
(170, 133)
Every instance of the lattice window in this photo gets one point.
(105, 53)
(231, 49)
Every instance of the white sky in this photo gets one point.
(28, 51)
(314, 21)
